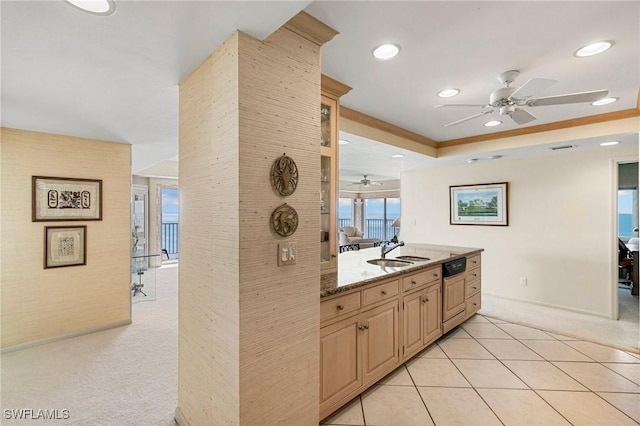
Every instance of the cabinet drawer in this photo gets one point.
(379, 292)
(473, 304)
(339, 306)
(472, 288)
(420, 279)
(474, 274)
(473, 262)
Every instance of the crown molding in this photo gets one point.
(311, 28)
(333, 87)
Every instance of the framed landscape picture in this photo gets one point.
(481, 204)
(58, 198)
(65, 246)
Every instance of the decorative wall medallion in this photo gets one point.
(284, 220)
(284, 175)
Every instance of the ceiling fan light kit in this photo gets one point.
(366, 182)
(507, 100)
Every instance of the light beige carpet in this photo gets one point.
(123, 376)
(623, 334)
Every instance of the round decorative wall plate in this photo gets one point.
(284, 220)
(284, 175)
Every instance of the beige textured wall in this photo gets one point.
(42, 303)
(248, 343)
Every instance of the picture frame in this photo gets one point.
(479, 204)
(64, 199)
(65, 246)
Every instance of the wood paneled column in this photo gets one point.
(248, 329)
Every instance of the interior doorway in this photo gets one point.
(626, 304)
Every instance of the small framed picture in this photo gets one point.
(481, 204)
(65, 246)
(58, 198)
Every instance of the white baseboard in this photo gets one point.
(63, 337)
(180, 419)
(550, 305)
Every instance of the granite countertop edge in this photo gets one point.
(328, 282)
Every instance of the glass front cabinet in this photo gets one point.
(329, 115)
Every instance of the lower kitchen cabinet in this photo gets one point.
(421, 318)
(357, 351)
(379, 341)
(340, 360)
(367, 333)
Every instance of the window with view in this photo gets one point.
(345, 212)
(627, 212)
(379, 215)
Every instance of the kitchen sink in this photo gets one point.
(413, 258)
(392, 263)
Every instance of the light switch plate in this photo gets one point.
(287, 253)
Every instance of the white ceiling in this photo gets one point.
(116, 78)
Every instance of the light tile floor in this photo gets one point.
(491, 372)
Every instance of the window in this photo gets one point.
(627, 212)
(170, 202)
(379, 215)
(345, 212)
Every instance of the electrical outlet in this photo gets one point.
(287, 253)
(523, 281)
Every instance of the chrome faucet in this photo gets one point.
(386, 248)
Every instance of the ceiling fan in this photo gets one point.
(508, 100)
(366, 182)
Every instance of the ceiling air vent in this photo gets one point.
(557, 148)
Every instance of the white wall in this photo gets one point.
(560, 224)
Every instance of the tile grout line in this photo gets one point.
(589, 389)
(404, 364)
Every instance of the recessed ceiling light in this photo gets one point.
(610, 143)
(397, 156)
(494, 157)
(593, 49)
(472, 160)
(447, 93)
(95, 7)
(493, 123)
(605, 101)
(386, 51)
(343, 142)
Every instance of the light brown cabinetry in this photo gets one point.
(329, 116)
(473, 286)
(421, 311)
(368, 332)
(359, 348)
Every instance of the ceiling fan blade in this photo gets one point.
(571, 98)
(521, 116)
(532, 87)
(462, 105)
(480, 114)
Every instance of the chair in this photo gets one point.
(349, 247)
(625, 263)
(349, 235)
(166, 253)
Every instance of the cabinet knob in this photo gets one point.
(475, 288)
(475, 304)
(435, 275)
(363, 327)
(384, 292)
(413, 282)
(425, 300)
(333, 255)
(340, 307)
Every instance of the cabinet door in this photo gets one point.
(328, 183)
(380, 344)
(432, 301)
(340, 369)
(413, 324)
(454, 298)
